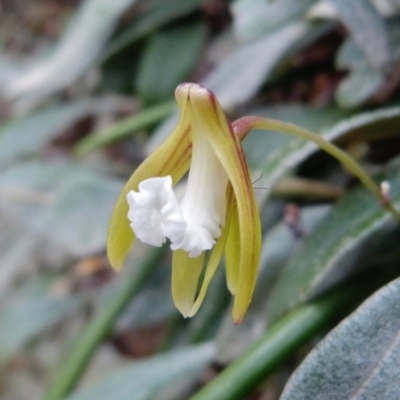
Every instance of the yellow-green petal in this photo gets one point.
(216, 255)
(185, 277)
(206, 114)
(171, 158)
(232, 253)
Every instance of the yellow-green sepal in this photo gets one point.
(208, 116)
(184, 281)
(232, 253)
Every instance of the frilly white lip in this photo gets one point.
(154, 211)
(155, 215)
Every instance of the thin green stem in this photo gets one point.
(299, 187)
(84, 346)
(125, 128)
(243, 126)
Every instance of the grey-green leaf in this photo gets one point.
(144, 379)
(151, 15)
(76, 51)
(358, 87)
(355, 229)
(66, 205)
(80, 214)
(360, 359)
(238, 77)
(28, 134)
(367, 28)
(253, 18)
(169, 57)
(24, 320)
(152, 305)
(364, 79)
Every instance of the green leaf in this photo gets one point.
(168, 58)
(80, 214)
(35, 235)
(357, 360)
(276, 345)
(24, 320)
(29, 134)
(151, 15)
(240, 75)
(152, 305)
(358, 87)
(38, 175)
(76, 51)
(144, 379)
(66, 205)
(364, 80)
(18, 249)
(352, 232)
(367, 29)
(253, 18)
(350, 56)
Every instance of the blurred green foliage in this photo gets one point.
(86, 92)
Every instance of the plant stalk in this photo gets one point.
(124, 128)
(244, 125)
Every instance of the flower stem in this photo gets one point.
(244, 125)
(84, 346)
(300, 187)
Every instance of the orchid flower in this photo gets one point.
(218, 211)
